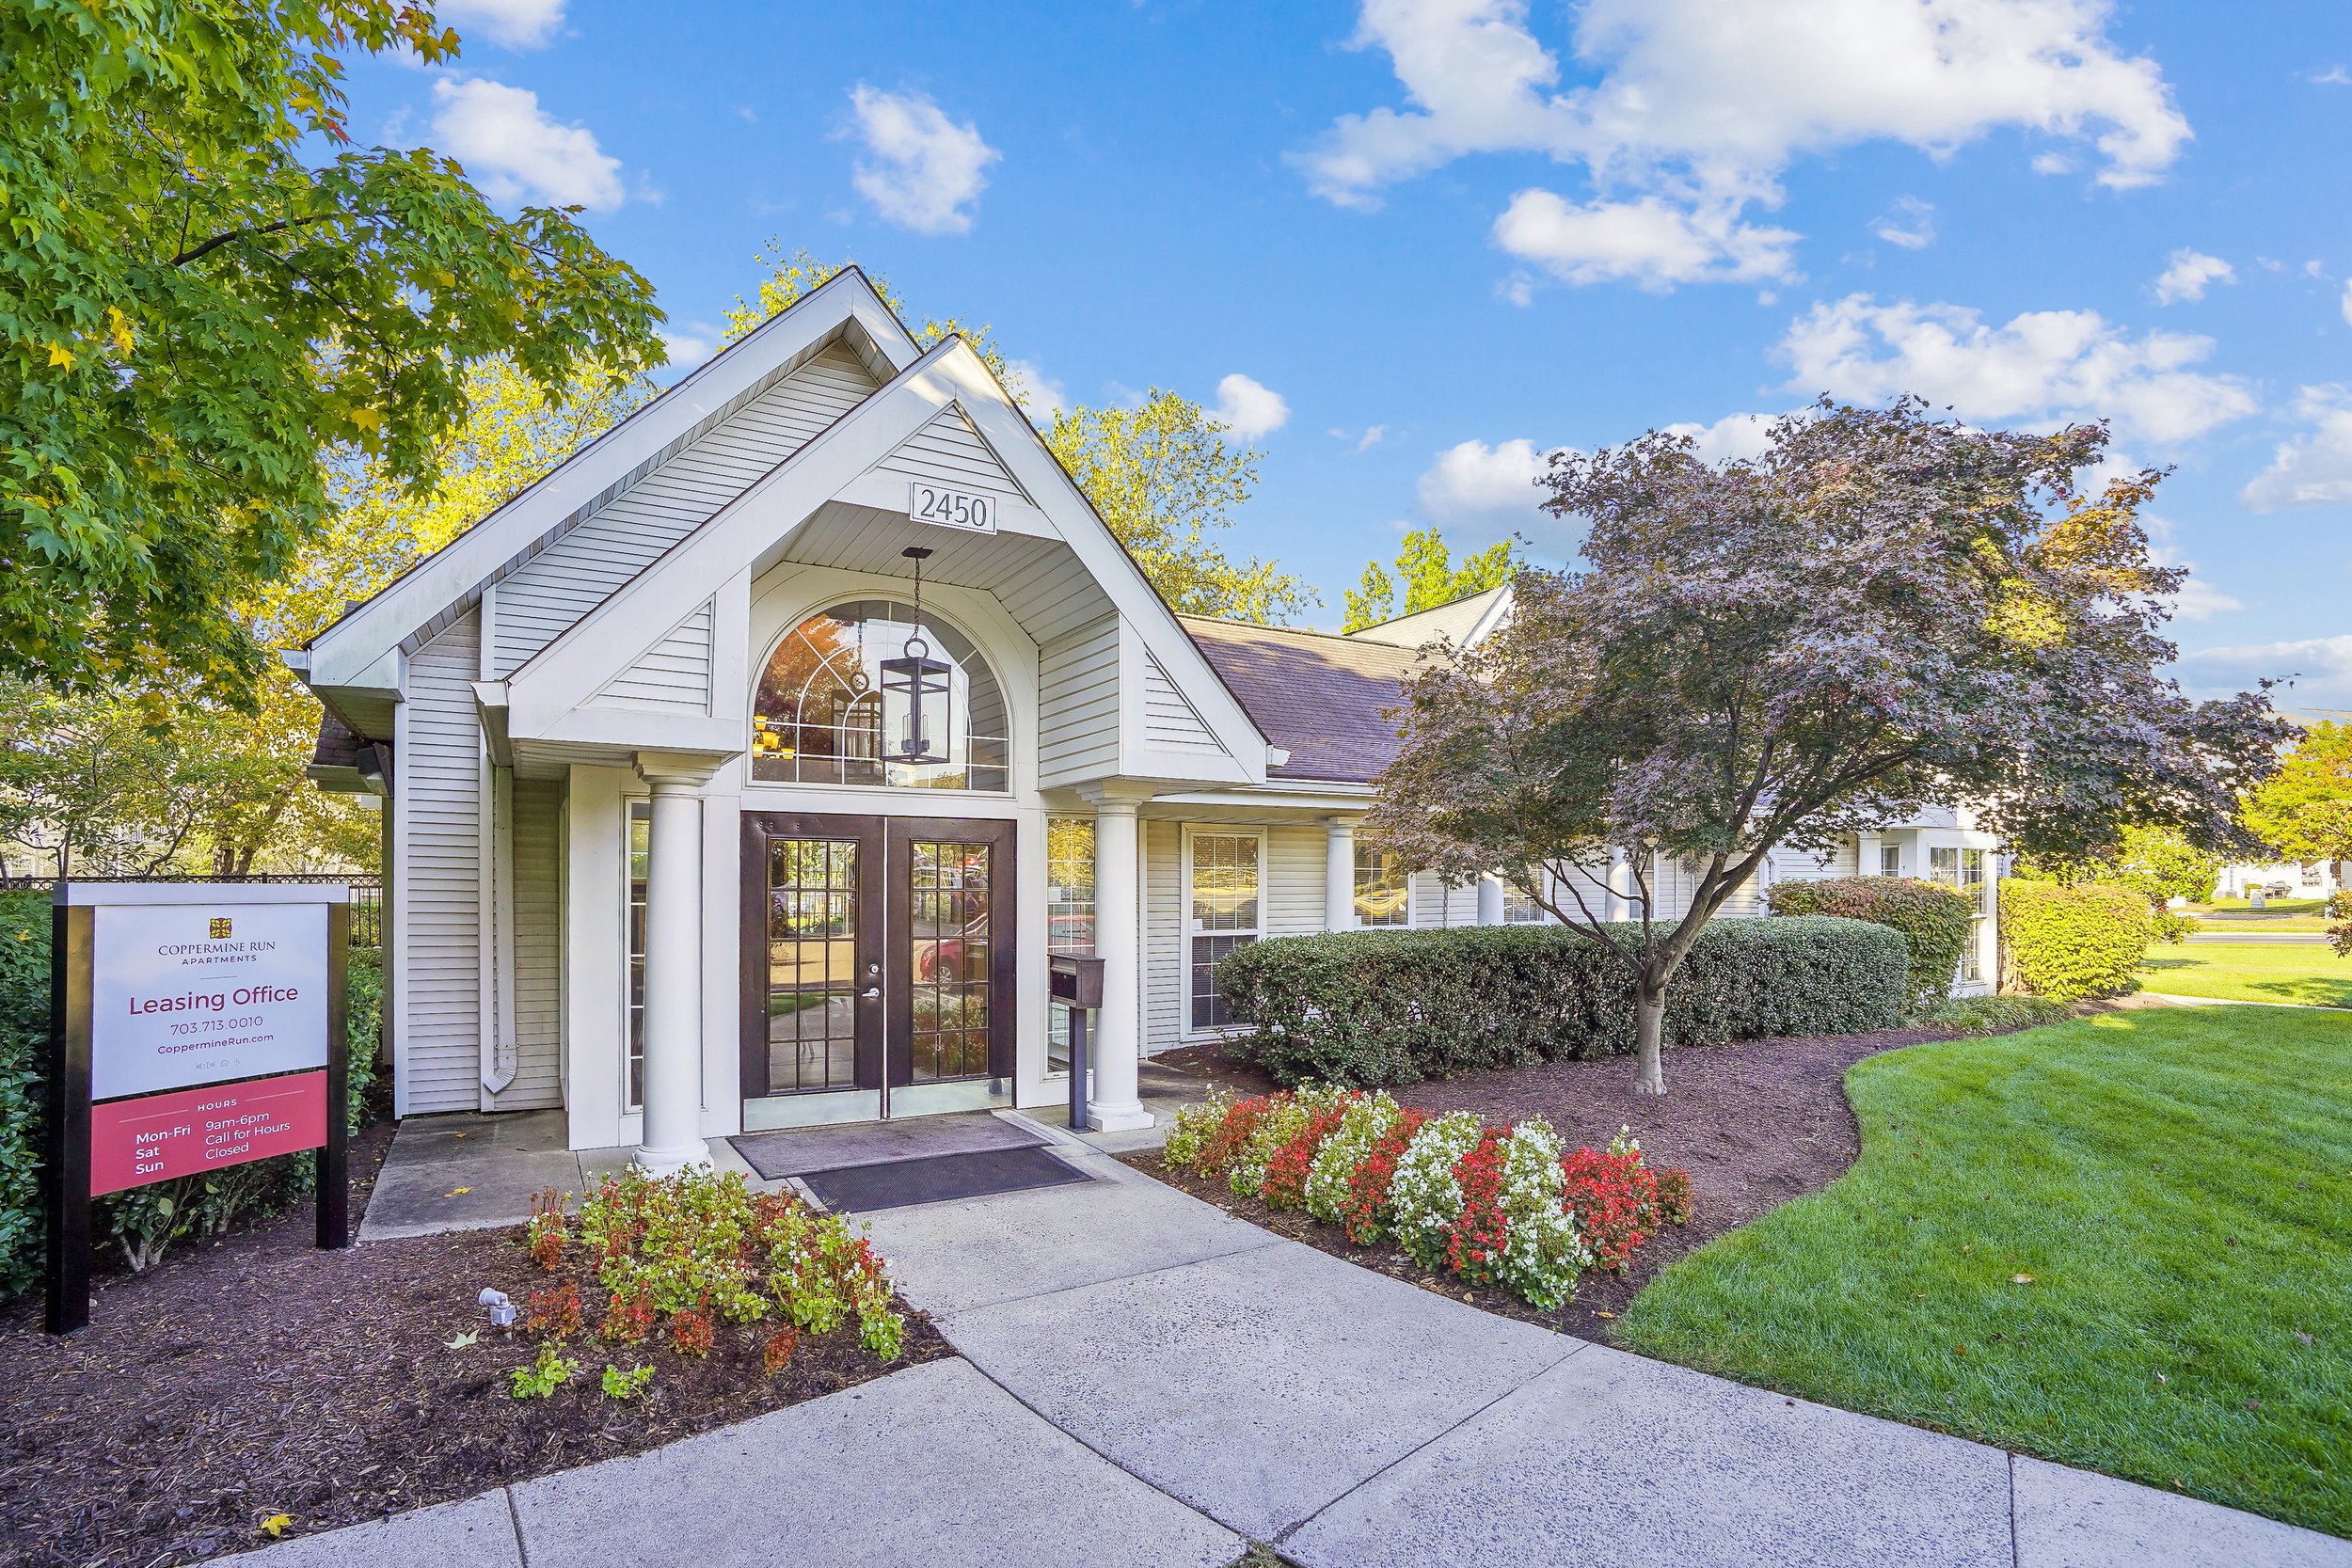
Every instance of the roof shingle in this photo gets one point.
(1322, 699)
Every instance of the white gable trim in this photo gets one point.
(753, 531)
(447, 583)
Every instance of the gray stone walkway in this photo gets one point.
(1148, 1380)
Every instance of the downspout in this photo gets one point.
(499, 1052)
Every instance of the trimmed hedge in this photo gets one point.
(2067, 943)
(1933, 919)
(144, 1220)
(1365, 1009)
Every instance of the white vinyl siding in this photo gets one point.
(548, 594)
(948, 451)
(674, 674)
(438, 882)
(538, 946)
(1163, 936)
(1169, 721)
(1435, 903)
(1078, 704)
(1292, 880)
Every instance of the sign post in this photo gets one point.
(193, 1026)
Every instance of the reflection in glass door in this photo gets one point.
(813, 979)
(948, 958)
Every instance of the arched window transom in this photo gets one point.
(822, 716)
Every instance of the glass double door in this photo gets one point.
(878, 967)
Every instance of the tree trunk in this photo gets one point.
(1649, 1030)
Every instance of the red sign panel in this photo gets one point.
(155, 1137)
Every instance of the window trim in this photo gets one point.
(1186, 1030)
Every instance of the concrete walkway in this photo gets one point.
(1148, 1380)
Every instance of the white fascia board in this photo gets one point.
(1309, 795)
(1029, 461)
(460, 568)
(567, 673)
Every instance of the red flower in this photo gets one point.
(1285, 1182)
(1366, 1212)
(1480, 1233)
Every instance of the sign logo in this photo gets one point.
(220, 927)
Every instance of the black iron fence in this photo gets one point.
(367, 893)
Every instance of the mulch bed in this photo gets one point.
(1756, 1123)
(256, 1375)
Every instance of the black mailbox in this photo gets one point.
(1075, 980)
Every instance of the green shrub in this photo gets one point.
(23, 1051)
(1934, 920)
(1372, 1008)
(144, 1221)
(2067, 943)
(1994, 1015)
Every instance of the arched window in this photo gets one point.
(822, 717)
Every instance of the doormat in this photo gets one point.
(798, 1150)
(861, 1189)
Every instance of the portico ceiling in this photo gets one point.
(1040, 581)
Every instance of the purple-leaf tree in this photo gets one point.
(1886, 610)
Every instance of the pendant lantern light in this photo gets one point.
(915, 685)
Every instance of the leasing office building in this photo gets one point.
(744, 771)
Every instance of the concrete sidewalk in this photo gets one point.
(1149, 1380)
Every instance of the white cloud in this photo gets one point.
(1649, 241)
(2198, 599)
(2189, 275)
(1733, 437)
(1373, 435)
(1706, 102)
(2334, 76)
(689, 345)
(512, 150)
(2321, 666)
(1247, 409)
(1043, 396)
(517, 24)
(2312, 469)
(926, 169)
(1487, 489)
(1910, 223)
(2042, 367)
(2345, 304)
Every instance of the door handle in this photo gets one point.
(871, 993)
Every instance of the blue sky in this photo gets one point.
(1412, 245)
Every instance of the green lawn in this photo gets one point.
(2251, 971)
(2173, 1183)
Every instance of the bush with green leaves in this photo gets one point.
(1934, 920)
(144, 1221)
(2067, 943)
(1372, 1007)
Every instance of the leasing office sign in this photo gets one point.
(195, 1027)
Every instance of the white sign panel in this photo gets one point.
(198, 993)
(968, 510)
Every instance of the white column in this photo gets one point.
(1112, 1103)
(1865, 854)
(671, 1138)
(1338, 873)
(1620, 887)
(1489, 900)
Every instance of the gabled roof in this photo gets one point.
(438, 589)
(1321, 697)
(1461, 622)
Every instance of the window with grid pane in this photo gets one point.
(1224, 898)
(1383, 895)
